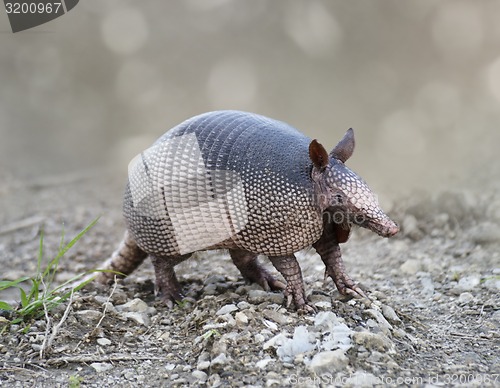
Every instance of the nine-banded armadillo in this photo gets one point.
(250, 184)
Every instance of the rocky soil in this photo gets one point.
(433, 318)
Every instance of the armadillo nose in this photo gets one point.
(392, 229)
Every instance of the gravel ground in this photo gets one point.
(433, 318)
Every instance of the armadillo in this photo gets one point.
(249, 184)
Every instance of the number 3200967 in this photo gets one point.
(32, 7)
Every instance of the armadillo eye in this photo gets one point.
(339, 199)
(359, 219)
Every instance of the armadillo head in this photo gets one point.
(345, 196)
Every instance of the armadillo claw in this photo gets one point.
(346, 286)
(275, 284)
(355, 292)
(307, 309)
(171, 300)
(302, 306)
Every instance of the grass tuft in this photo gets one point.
(42, 296)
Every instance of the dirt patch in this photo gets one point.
(434, 316)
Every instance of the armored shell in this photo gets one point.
(224, 179)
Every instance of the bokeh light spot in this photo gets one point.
(124, 30)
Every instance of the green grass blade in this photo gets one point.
(5, 306)
(24, 298)
(68, 246)
(4, 284)
(40, 253)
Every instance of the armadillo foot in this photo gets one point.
(346, 286)
(252, 270)
(294, 291)
(330, 253)
(167, 287)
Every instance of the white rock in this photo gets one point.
(140, 318)
(103, 341)
(260, 296)
(263, 363)
(301, 342)
(243, 305)
(468, 283)
(492, 283)
(338, 338)
(89, 316)
(411, 266)
(227, 309)
(170, 367)
(199, 375)
(203, 365)
(221, 359)
(372, 341)
(385, 326)
(323, 304)
(270, 324)
(241, 318)
(465, 297)
(326, 320)
(101, 366)
(135, 306)
(390, 314)
(329, 362)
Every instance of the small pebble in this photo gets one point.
(241, 318)
(203, 365)
(468, 283)
(411, 266)
(103, 341)
(199, 375)
(221, 359)
(465, 297)
(262, 364)
(372, 341)
(329, 362)
(100, 367)
(390, 314)
(227, 309)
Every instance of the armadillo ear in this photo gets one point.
(342, 233)
(318, 154)
(345, 148)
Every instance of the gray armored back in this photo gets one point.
(224, 179)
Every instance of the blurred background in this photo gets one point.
(419, 81)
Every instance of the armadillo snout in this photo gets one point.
(384, 228)
(391, 229)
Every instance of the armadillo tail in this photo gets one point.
(125, 260)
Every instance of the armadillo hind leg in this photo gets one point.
(125, 260)
(167, 286)
(335, 268)
(290, 269)
(252, 270)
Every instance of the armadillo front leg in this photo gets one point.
(290, 269)
(252, 270)
(329, 250)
